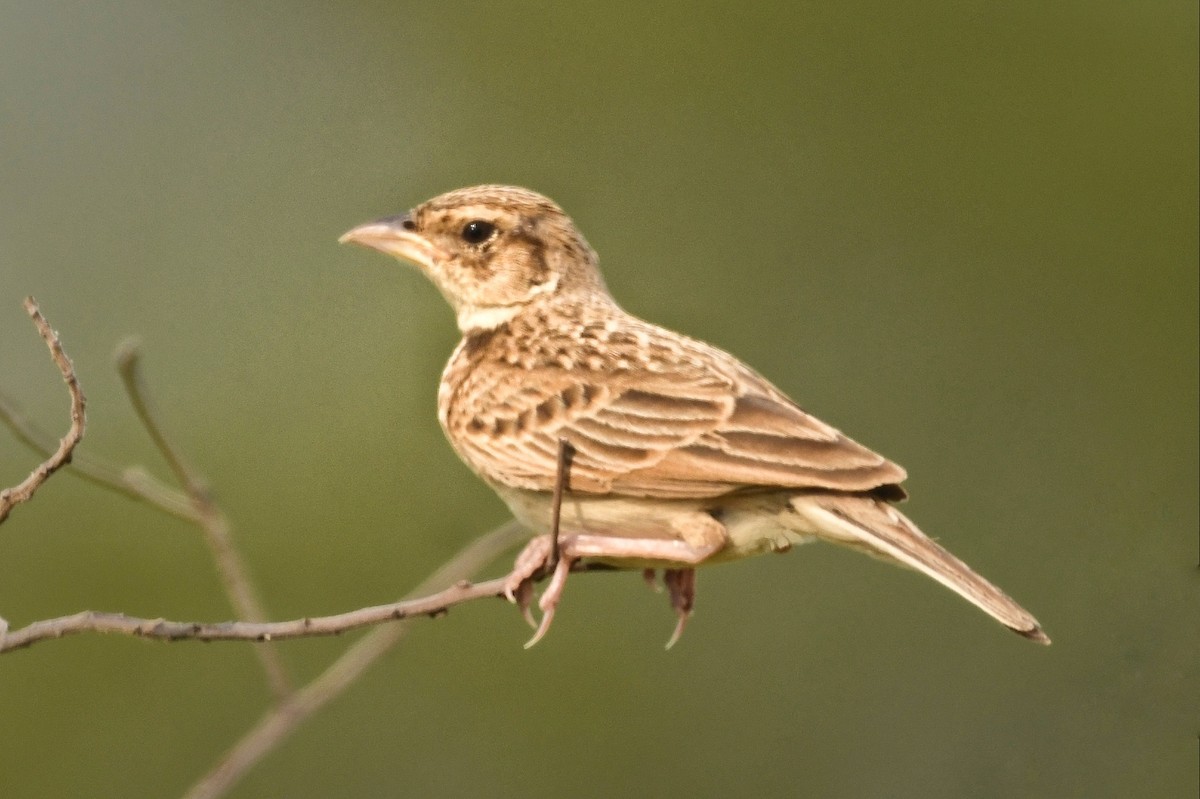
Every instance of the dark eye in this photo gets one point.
(477, 231)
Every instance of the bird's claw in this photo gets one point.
(523, 597)
(681, 585)
(531, 565)
(534, 558)
(550, 598)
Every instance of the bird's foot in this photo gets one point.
(535, 560)
(681, 585)
(550, 597)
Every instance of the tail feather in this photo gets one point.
(879, 529)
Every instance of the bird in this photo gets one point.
(628, 445)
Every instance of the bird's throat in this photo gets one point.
(478, 320)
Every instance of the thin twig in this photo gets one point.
(91, 621)
(11, 497)
(132, 481)
(210, 518)
(283, 719)
(129, 367)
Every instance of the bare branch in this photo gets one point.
(212, 521)
(196, 504)
(435, 604)
(132, 481)
(280, 721)
(11, 497)
(92, 621)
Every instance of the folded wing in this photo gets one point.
(692, 422)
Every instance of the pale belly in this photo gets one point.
(752, 524)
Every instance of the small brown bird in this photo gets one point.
(666, 452)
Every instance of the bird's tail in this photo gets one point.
(877, 528)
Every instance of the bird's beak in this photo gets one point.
(392, 236)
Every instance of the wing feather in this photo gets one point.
(695, 422)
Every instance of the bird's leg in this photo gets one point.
(562, 476)
(543, 554)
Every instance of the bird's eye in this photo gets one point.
(477, 231)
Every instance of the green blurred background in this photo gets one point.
(964, 233)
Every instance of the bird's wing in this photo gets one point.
(685, 420)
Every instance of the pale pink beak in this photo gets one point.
(393, 235)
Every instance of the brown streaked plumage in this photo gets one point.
(681, 454)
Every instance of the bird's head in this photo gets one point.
(491, 250)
